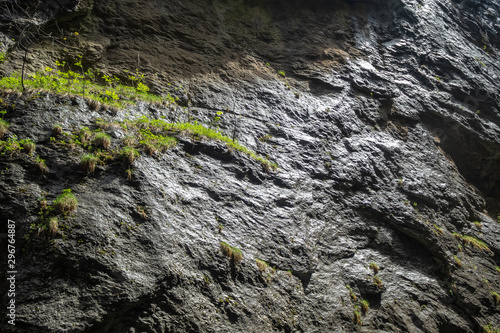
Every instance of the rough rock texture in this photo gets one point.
(386, 131)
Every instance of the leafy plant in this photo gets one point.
(66, 202)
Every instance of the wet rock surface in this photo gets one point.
(384, 124)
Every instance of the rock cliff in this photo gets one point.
(382, 116)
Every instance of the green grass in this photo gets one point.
(469, 240)
(72, 83)
(115, 95)
(66, 202)
(198, 130)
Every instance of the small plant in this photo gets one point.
(378, 281)
(54, 225)
(4, 126)
(496, 297)
(478, 224)
(57, 130)
(102, 140)
(374, 267)
(41, 165)
(89, 162)
(220, 227)
(365, 306)
(476, 243)
(282, 73)
(128, 172)
(352, 294)
(262, 265)
(66, 202)
(232, 252)
(101, 124)
(458, 261)
(357, 318)
(265, 138)
(439, 230)
(498, 269)
(129, 153)
(28, 146)
(142, 212)
(490, 329)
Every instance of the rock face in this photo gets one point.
(382, 116)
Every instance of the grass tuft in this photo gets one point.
(458, 261)
(231, 251)
(28, 146)
(102, 140)
(4, 127)
(129, 153)
(496, 297)
(374, 267)
(352, 294)
(378, 282)
(357, 318)
(89, 162)
(41, 165)
(66, 202)
(54, 225)
(365, 306)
